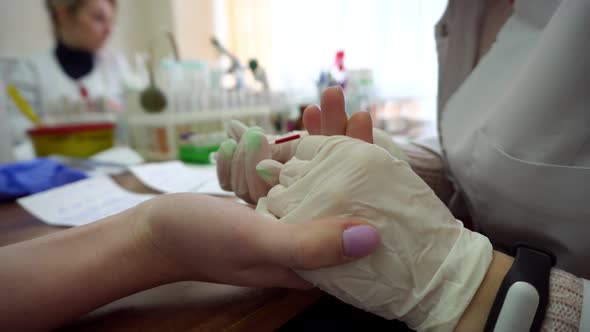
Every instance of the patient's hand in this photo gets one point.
(246, 147)
(330, 118)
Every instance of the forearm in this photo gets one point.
(50, 280)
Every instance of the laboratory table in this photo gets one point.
(197, 306)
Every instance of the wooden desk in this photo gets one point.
(197, 306)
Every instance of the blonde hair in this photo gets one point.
(72, 6)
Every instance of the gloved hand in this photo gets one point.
(238, 156)
(428, 267)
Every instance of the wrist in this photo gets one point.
(109, 262)
(475, 316)
(147, 226)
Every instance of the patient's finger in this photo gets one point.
(333, 112)
(312, 120)
(360, 126)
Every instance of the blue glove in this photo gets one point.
(25, 178)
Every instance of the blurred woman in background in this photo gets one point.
(77, 68)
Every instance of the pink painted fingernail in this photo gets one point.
(360, 241)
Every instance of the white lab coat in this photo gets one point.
(516, 132)
(49, 90)
(42, 78)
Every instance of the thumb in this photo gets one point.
(316, 244)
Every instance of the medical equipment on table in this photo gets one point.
(152, 99)
(259, 73)
(286, 139)
(23, 178)
(197, 148)
(197, 120)
(75, 140)
(22, 104)
(6, 152)
(235, 68)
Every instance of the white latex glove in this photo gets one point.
(238, 156)
(428, 267)
(246, 147)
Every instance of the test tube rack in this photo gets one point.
(158, 136)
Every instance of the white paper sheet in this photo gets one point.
(81, 202)
(121, 155)
(175, 177)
